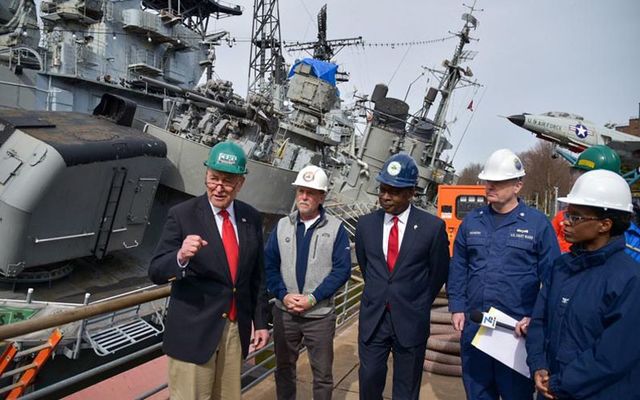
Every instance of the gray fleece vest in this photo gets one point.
(319, 263)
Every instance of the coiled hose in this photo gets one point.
(443, 347)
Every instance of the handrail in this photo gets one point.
(52, 389)
(349, 293)
(80, 313)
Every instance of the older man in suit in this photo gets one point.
(404, 257)
(212, 250)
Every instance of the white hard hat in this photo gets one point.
(502, 165)
(600, 188)
(312, 177)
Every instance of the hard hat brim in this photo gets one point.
(592, 203)
(230, 170)
(323, 189)
(396, 183)
(497, 178)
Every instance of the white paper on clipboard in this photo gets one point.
(502, 344)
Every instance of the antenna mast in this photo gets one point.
(324, 49)
(266, 64)
(451, 77)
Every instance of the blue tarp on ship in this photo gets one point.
(322, 69)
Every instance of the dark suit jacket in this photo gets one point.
(201, 296)
(420, 271)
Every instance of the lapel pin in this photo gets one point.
(244, 220)
(415, 227)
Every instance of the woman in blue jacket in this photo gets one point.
(583, 339)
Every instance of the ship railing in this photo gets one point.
(261, 363)
(122, 312)
(127, 307)
(23, 56)
(115, 309)
(107, 332)
(24, 375)
(348, 213)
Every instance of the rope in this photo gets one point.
(466, 128)
(399, 65)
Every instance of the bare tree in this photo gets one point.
(469, 174)
(545, 172)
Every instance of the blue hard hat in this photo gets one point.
(400, 170)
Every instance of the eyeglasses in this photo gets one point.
(227, 184)
(578, 219)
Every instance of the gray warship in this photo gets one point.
(102, 129)
(63, 56)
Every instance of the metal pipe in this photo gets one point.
(202, 99)
(342, 319)
(230, 108)
(53, 239)
(77, 314)
(10, 387)
(162, 84)
(153, 391)
(267, 360)
(90, 373)
(83, 325)
(18, 370)
(195, 96)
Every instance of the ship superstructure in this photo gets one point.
(111, 184)
(63, 55)
(391, 128)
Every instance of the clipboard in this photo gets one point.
(502, 344)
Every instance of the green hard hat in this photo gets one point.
(598, 157)
(227, 157)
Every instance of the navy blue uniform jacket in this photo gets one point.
(420, 271)
(586, 325)
(501, 266)
(201, 294)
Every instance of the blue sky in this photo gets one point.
(580, 56)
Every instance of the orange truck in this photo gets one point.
(455, 202)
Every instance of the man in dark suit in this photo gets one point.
(404, 257)
(212, 250)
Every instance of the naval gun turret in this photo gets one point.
(277, 143)
(74, 185)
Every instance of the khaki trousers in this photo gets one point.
(217, 379)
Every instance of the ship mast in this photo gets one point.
(325, 49)
(266, 63)
(450, 78)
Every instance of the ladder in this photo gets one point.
(30, 370)
(115, 331)
(110, 210)
(7, 357)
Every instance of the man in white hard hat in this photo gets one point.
(583, 338)
(307, 259)
(502, 253)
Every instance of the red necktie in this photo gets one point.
(231, 251)
(392, 248)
